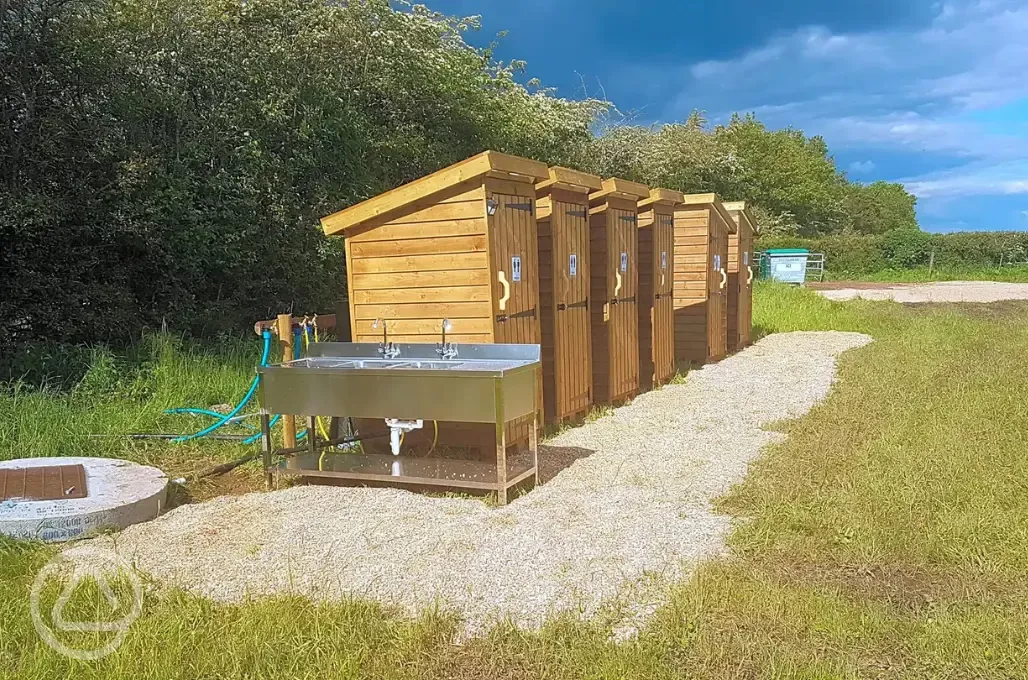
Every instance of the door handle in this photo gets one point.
(617, 286)
(506, 289)
(749, 279)
(724, 279)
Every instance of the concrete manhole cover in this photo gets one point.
(59, 499)
(43, 483)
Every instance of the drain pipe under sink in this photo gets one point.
(397, 428)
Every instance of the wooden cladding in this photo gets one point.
(459, 244)
(408, 275)
(701, 281)
(741, 272)
(515, 269)
(656, 295)
(614, 258)
(564, 289)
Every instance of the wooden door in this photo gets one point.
(515, 270)
(573, 382)
(747, 272)
(662, 317)
(717, 282)
(622, 296)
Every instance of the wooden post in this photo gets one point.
(285, 338)
(931, 263)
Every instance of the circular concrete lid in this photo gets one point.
(119, 493)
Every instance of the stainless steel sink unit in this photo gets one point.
(478, 384)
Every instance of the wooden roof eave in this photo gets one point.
(615, 187)
(395, 199)
(742, 210)
(712, 202)
(568, 180)
(668, 197)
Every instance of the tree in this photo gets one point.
(784, 172)
(168, 162)
(880, 207)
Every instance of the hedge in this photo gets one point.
(908, 249)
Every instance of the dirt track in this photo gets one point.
(943, 291)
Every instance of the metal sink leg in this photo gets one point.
(501, 447)
(534, 444)
(312, 435)
(267, 445)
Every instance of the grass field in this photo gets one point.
(886, 537)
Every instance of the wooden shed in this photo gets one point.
(702, 228)
(613, 252)
(563, 218)
(458, 244)
(741, 270)
(656, 287)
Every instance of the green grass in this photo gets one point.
(1012, 274)
(886, 537)
(128, 392)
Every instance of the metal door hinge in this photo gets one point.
(628, 218)
(527, 207)
(501, 318)
(576, 213)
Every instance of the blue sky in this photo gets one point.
(931, 94)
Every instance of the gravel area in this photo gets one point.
(943, 291)
(603, 537)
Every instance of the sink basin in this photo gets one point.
(353, 379)
(433, 365)
(343, 364)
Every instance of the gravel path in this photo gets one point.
(943, 291)
(603, 537)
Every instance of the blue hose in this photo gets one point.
(275, 418)
(271, 423)
(253, 438)
(213, 414)
(239, 407)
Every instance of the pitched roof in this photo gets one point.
(711, 201)
(419, 189)
(663, 197)
(621, 188)
(741, 212)
(566, 178)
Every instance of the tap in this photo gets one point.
(446, 350)
(387, 349)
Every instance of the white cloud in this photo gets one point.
(975, 179)
(881, 89)
(911, 93)
(861, 167)
(715, 69)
